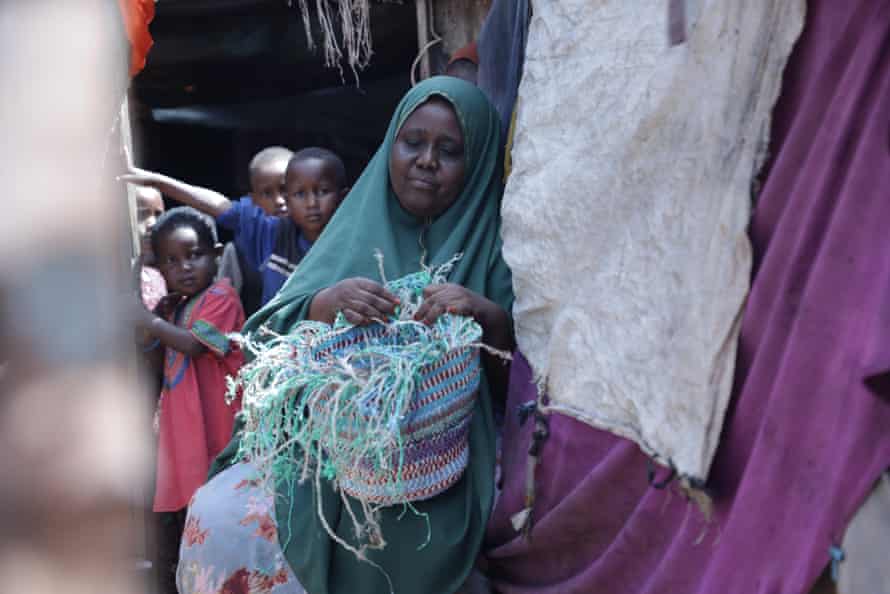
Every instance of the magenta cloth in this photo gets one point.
(808, 430)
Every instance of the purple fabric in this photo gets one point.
(808, 430)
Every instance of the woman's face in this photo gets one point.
(427, 164)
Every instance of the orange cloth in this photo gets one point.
(467, 52)
(137, 15)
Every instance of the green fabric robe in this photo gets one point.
(370, 219)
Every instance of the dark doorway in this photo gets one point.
(226, 78)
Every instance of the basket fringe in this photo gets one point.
(311, 411)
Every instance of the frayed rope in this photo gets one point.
(315, 410)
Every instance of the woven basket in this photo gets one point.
(434, 430)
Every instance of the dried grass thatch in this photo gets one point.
(352, 43)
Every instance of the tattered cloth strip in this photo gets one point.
(676, 21)
(808, 431)
(137, 15)
(624, 216)
(383, 411)
(354, 19)
(501, 50)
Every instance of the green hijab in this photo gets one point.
(372, 219)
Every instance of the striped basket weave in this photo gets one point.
(434, 447)
(382, 412)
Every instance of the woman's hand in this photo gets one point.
(361, 300)
(458, 300)
(497, 331)
(450, 298)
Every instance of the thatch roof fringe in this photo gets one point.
(354, 17)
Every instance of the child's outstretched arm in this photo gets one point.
(169, 335)
(204, 199)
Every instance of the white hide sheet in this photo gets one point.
(626, 209)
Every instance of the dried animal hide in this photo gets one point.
(626, 210)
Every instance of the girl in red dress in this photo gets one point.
(192, 324)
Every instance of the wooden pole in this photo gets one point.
(75, 441)
(423, 37)
(132, 207)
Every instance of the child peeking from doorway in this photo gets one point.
(314, 186)
(191, 324)
(149, 206)
(266, 177)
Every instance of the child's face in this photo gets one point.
(266, 188)
(313, 195)
(188, 266)
(149, 206)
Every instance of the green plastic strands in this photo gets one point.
(382, 411)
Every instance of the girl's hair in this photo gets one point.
(184, 216)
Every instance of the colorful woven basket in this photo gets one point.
(434, 432)
(381, 411)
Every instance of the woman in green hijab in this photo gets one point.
(431, 191)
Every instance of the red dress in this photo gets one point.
(195, 421)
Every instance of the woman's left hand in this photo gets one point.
(449, 298)
(497, 331)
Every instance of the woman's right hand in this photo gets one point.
(361, 300)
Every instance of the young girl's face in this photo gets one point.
(149, 206)
(188, 266)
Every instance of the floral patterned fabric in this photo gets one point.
(153, 286)
(230, 543)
